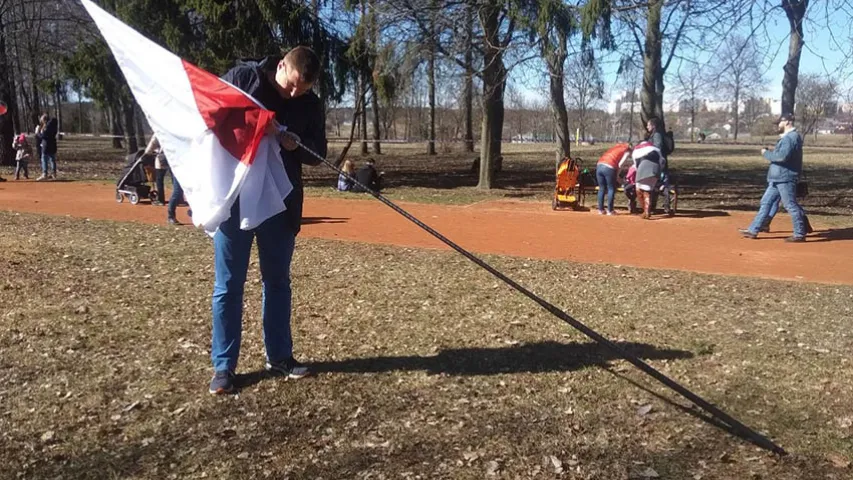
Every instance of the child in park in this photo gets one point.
(22, 156)
(630, 188)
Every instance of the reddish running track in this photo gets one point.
(697, 241)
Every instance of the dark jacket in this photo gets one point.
(301, 115)
(656, 139)
(368, 177)
(48, 137)
(786, 160)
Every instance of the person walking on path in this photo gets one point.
(282, 86)
(161, 168)
(176, 198)
(786, 166)
(607, 172)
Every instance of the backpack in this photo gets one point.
(668, 143)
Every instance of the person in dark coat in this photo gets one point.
(656, 134)
(368, 177)
(47, 140)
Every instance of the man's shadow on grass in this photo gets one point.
(539, 357)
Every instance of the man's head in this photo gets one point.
(654, 125)
(297, 72)
(371, 162)
(786, 122)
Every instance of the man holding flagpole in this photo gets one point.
(234, 144)
(284, 87)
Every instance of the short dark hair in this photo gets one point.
(658, 123)
(305, 61)
(786, 117)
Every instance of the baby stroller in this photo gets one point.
(134, 182)
(571, 179)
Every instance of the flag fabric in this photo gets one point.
(212, 132)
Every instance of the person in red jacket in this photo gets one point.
(606, 173)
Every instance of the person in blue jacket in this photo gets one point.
(786, 166)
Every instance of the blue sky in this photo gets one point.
(824, 53)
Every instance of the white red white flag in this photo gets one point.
(212, 132)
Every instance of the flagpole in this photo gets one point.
(735, 425)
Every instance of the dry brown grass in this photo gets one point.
(428, 367)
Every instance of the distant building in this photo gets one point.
(620, 104)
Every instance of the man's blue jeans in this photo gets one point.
(48, 164)
(232, 247)
(787, 191)
(606, 178)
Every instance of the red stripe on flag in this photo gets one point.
(237, 121)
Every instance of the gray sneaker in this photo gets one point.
(745, 233)
(222, 382)
(290, 368)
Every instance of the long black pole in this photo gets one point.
(736, 425)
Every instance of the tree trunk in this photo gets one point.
(374, 101)
(469, 78)
(140, 125)
(494, 81)
(14, 114)
(343, 155)
(129, 117)
(652, 64)
(692, 120)
(374, 104)
(795, 10)
(7, 131)
(377, 147)
(57, 98)
(319, 49)
(736, 112)
(26, 112)
(431, 85)
(36, 112)
(363, 114)
(79, 111)
(633, 101)
(116, 130)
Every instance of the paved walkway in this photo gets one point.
(700, 241)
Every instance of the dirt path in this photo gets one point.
(695, 241)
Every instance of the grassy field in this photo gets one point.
(428, 368)
(720, 177)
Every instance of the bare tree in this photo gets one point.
(817, 96)
(691, 85)
(657, 30)
(738, 74)
(754, 108)
(584, 87)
